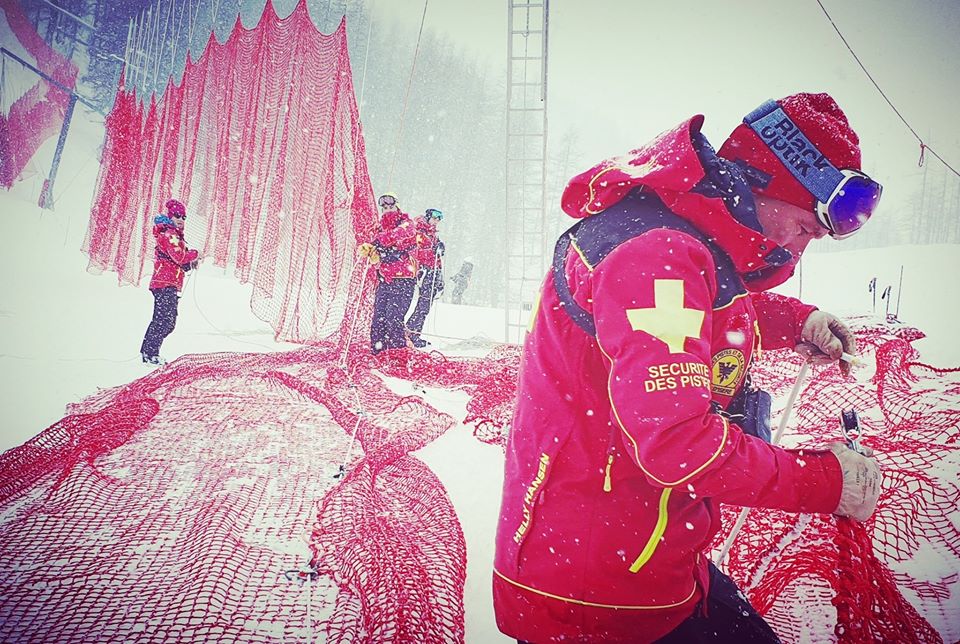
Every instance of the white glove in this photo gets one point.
(369, 251)
(861, 482)
(825, 339)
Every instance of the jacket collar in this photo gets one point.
(682, 168)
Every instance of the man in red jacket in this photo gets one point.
(171, 260)
(635, 417)
(429, 254)
(392, 251)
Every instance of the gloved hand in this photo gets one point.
(861, 482)
(369, 251)
(825, 337)
(189, 266)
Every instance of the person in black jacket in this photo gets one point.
(430, 275)
(462, 281)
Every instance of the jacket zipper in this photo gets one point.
(658, 531)
(757, 353)
(661, 525)
(611, 451)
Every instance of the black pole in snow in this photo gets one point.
(46, 195)
(899, 291)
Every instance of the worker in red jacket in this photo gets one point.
(635, 418)
(172, 259)
(393, 253)
(430, 250)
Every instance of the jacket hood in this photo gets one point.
(683, 170)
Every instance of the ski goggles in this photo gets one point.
(845, 198)
(434, 214)
(387, 200)
(850, 204)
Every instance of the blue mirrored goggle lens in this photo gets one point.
(853, 205)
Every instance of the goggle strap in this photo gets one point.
(789, 144)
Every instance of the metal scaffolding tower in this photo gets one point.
(526, 161)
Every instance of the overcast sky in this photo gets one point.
(621, 71)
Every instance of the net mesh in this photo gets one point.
(187, 504)
(31, 108)
(796, 565)
(261, 140)
(278, 497)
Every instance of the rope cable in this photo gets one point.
(3, 83)
(775, 440)
(366, 57)
(923, 146)
(406, 97)
(356, 309)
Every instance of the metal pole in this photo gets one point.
(742, 517)
(138, 50)
(75, 17)
(175, 40)
(46, 195)
(899, 291)
(156, 44)
(545, 245)
(160, 43)
(6, 52)
(506, 165)
(126, 50)
(800, 277)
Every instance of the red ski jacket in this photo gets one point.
(429, 246)
(397, 244)
(618, 457)
(170, 256)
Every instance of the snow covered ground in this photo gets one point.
(66, 333)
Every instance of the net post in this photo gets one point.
(46, 194)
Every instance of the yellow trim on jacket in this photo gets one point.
(636, 450)
(581, 602)
(658, 531)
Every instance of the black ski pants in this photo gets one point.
(165, 302)
(390, 304)
(430, 287)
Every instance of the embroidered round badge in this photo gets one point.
(728, 370)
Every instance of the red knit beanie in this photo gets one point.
(822, 121)
(175, 207)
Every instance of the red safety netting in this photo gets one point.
(32, 108)
(890, 579)
(206, 502)
(262, 141)
(187, 505)
(184, 507)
